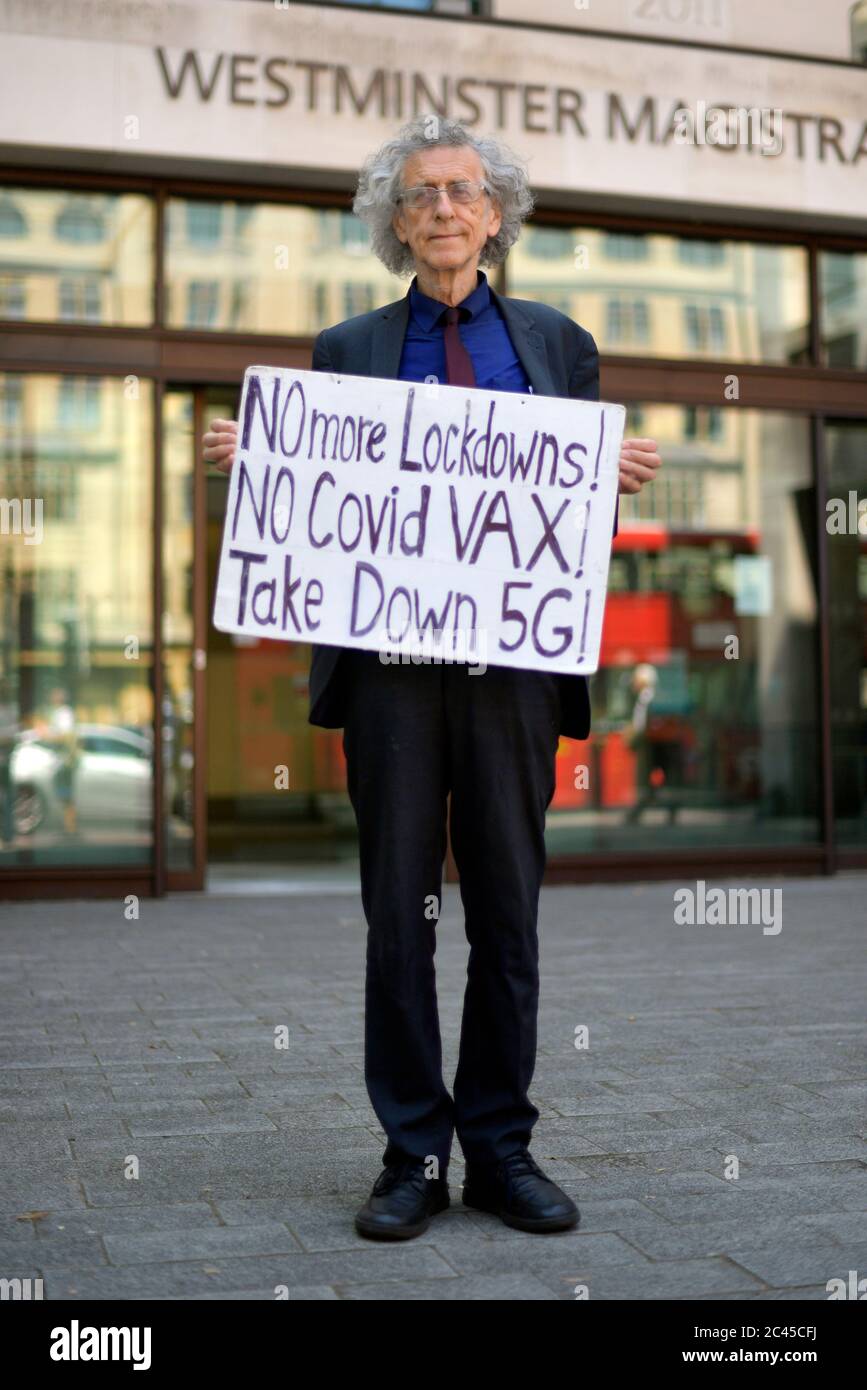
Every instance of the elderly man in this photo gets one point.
(441, 201)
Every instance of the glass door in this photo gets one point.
(184, 654)
(246, 778)
(276, 785)
(76, 626)
(846, 528)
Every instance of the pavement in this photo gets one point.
(159, 1141)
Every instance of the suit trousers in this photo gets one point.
(412, 735)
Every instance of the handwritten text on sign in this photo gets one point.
(385, 514)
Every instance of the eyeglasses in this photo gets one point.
(425, 195)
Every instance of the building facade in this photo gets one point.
(175, 204)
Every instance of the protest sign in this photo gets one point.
(403, 516)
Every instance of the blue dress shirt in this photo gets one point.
(483, 333)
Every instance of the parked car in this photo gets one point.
(113, 779)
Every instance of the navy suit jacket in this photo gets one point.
(560, 359)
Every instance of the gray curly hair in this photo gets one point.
(379, 183)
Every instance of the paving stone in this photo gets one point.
(738, 1198)
(60, 1250)
(200, 1242)
(794, 1265)
(514, 1287)
(597, 1249)
(673, 1151)
(34, 1192)
(685, 1279)
(175, 1279)
(801, 1151)
(796, 1295)
(845, 1227)
(701, 1046)
(609, 1103)
(665, 1240)
(309, 1293)
(631, 1126)
(135, 1219)
(57, 1135)
(170, 1123)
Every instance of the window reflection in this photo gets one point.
(179, 460)
(704, 707)
(670, 296)
(627, 323)
(843, 308)
(76, 719)
(276, 785)
(626, 246)
(269, 267)
(13, 223)
(846, 447)
(76, 257)
(81, 219)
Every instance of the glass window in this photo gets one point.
(357, 299)
(255, 268)
(702, 422)
(276, 786)
(13, 297)
(627, 322)
(353, 234)
(80, 299)
(705, 329)
(548, 243)
(76, 639)
(637, 421)
(85, 258)
(700, 252)
(320, 302)
(203, 303)
(204, 223)
(846, 527)
(11, 400)
(703, 298)
(13, 223)
(79, 402)
(843, 308)
(858, 16)
(81, 219)
(626, 246)
(180, 457)
(705, 711)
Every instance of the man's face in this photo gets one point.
(445, 236)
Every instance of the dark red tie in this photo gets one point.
(459, 364)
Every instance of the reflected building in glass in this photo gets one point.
(669, 296)
(140, 748)
(76, 599)
(269, 268)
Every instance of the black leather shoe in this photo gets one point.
(516, 1190)
(402, 1203)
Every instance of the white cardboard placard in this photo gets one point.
(417, 517)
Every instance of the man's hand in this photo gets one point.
(218, 444)
(638, 464)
